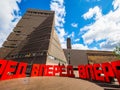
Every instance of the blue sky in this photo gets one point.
(91, 24)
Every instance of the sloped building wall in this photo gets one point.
(55, 52)
(25, 26)
(34, 47)
(39, 42)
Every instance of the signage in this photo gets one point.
(104, 72)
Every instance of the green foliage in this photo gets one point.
(117, 51)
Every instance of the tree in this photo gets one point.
(117, 51)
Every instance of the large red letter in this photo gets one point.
(90, 72)
(116, 68)
(42, 70)
(70, 72)
(62, 71)
(21, 70)
(49, 70)
(82, 72)
(98, 72)
(3, 64)
(10, 70)
(108, 72)
(56, 70)
(35, 70)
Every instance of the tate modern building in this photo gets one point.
(34, 40)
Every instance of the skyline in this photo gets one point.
(91, 24)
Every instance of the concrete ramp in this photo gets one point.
(48, 83)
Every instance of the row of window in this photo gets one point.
(42, 13)
(17, 31)
(95, 55)
(10, 46)
(28, 55)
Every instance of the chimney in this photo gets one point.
(68, 43)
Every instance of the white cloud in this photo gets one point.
(74, 25)
(76, 40)
(96, 11)
(64, 45)
(94, 48)
(59, 8)
(79, 46)
(61, 35)
(9, 11)
(71, 35)
(116, 4)
(106, 27)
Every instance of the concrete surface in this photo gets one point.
(48, 83)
